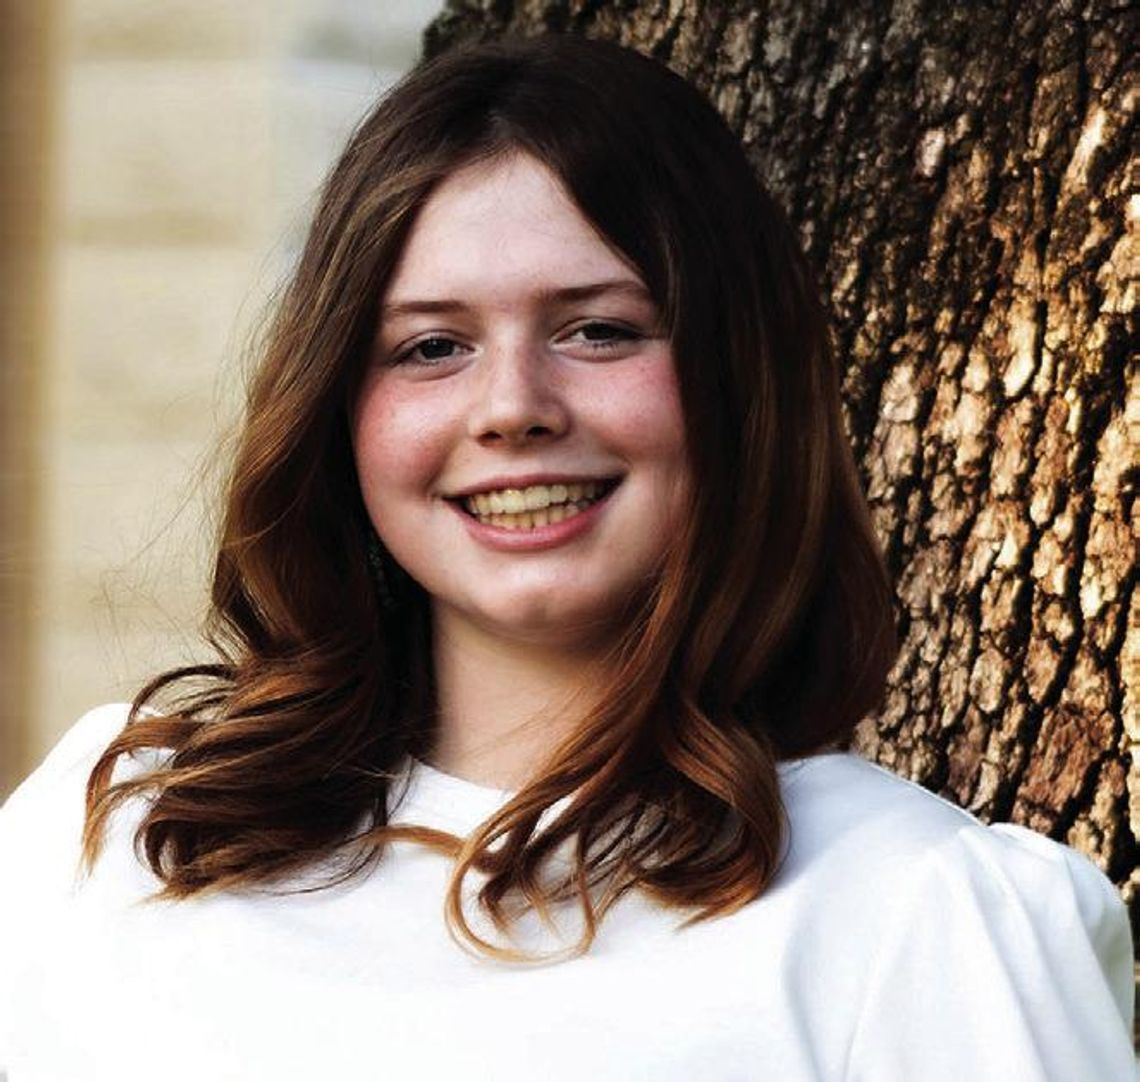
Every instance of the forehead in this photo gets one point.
(501, 223)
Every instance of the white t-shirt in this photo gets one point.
(902, 940)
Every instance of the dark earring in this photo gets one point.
(378, 572)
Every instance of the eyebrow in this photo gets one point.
(567, 294)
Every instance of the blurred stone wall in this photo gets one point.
(187, 141)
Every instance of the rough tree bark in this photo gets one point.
(961, 177)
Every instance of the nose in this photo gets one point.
(518, 398)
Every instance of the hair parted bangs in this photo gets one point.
(769, 634)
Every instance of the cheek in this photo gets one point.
(663, 443)
(645, 412)
(397, 439)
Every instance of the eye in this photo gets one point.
(600, 335)
(431, 350)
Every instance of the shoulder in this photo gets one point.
(840, 801)
(74, 753)
(842, 808)
(989, 938)
(44, 816)
(851, 820)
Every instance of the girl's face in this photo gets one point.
(519, 437)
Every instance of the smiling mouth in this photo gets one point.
(536, 505)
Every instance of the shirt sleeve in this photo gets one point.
(1009, 957)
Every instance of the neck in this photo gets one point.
(503, 704)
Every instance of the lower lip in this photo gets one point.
(538, 537)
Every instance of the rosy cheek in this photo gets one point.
(382, 404)
(378, 426)
(645, 405)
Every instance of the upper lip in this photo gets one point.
(497, 484)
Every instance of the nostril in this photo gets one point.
(493, 435)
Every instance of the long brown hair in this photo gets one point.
(768, 635)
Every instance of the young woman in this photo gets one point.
(544, 591)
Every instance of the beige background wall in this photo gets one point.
(186, 140)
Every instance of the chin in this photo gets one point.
(539, 622)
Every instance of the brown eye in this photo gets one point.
(599, 335)
(430, 351)
(434, 349)
(597, 332)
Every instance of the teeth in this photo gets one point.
(528, 520)
(517, 503)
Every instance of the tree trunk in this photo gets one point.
(959, 175)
